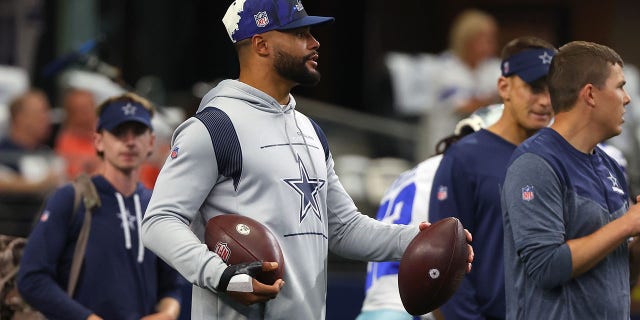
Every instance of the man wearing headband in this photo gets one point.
(119, 278)
(467, 182)
(248, 151)
(568, 224)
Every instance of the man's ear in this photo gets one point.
(588, 94)
(504, 88)
(97, 141)
(260, 44)
(152, 141)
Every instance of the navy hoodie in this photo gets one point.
(120, 279)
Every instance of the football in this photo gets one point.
(238, 239)
(432, 266)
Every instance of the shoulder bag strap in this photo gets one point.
(85, 190)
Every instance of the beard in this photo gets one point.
(295, 69)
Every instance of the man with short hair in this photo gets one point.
(30, 128)
(567, 219)
(29, 169)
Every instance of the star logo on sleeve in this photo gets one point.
(129, 109)
(308, 189)
(546, 58)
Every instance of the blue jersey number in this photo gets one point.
(396, 210)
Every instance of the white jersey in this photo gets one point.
(456, 84)
(405, 202)
(244, 153)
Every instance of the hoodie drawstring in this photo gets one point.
(136, 202)
(125, 222)
(286, 134)
(124, 217)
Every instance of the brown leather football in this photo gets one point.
(432, 266)
(238, 239)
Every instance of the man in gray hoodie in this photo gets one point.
(248, 151)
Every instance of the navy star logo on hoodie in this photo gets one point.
(308, 189)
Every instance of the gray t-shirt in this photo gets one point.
(553, 193)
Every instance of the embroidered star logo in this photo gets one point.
(308, 189)
(131, 220)
(546, 58)
(614, 184)
(614, 180)
(129, 110)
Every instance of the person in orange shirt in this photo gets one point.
(74, 142)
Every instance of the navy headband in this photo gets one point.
(119, 112)
(529, 65)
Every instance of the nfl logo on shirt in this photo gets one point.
(45, 216)
(442, 193)
(527, 193)
(174, 153)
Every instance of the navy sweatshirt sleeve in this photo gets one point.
(168, 282)
(42, 280)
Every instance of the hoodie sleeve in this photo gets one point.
(40, 279)
(165, 228)
(352, 234)
(358, 236)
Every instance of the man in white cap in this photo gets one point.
(249, 152)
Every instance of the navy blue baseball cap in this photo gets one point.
(530, 65)
(119, 112)
(246, 18)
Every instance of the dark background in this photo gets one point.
(183, 42)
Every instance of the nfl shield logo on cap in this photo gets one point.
(262, 20)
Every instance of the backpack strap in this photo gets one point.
(86, 191)
(9, 258)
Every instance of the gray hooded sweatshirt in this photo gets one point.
(244, 153)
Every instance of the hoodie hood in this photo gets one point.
(235, 89)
